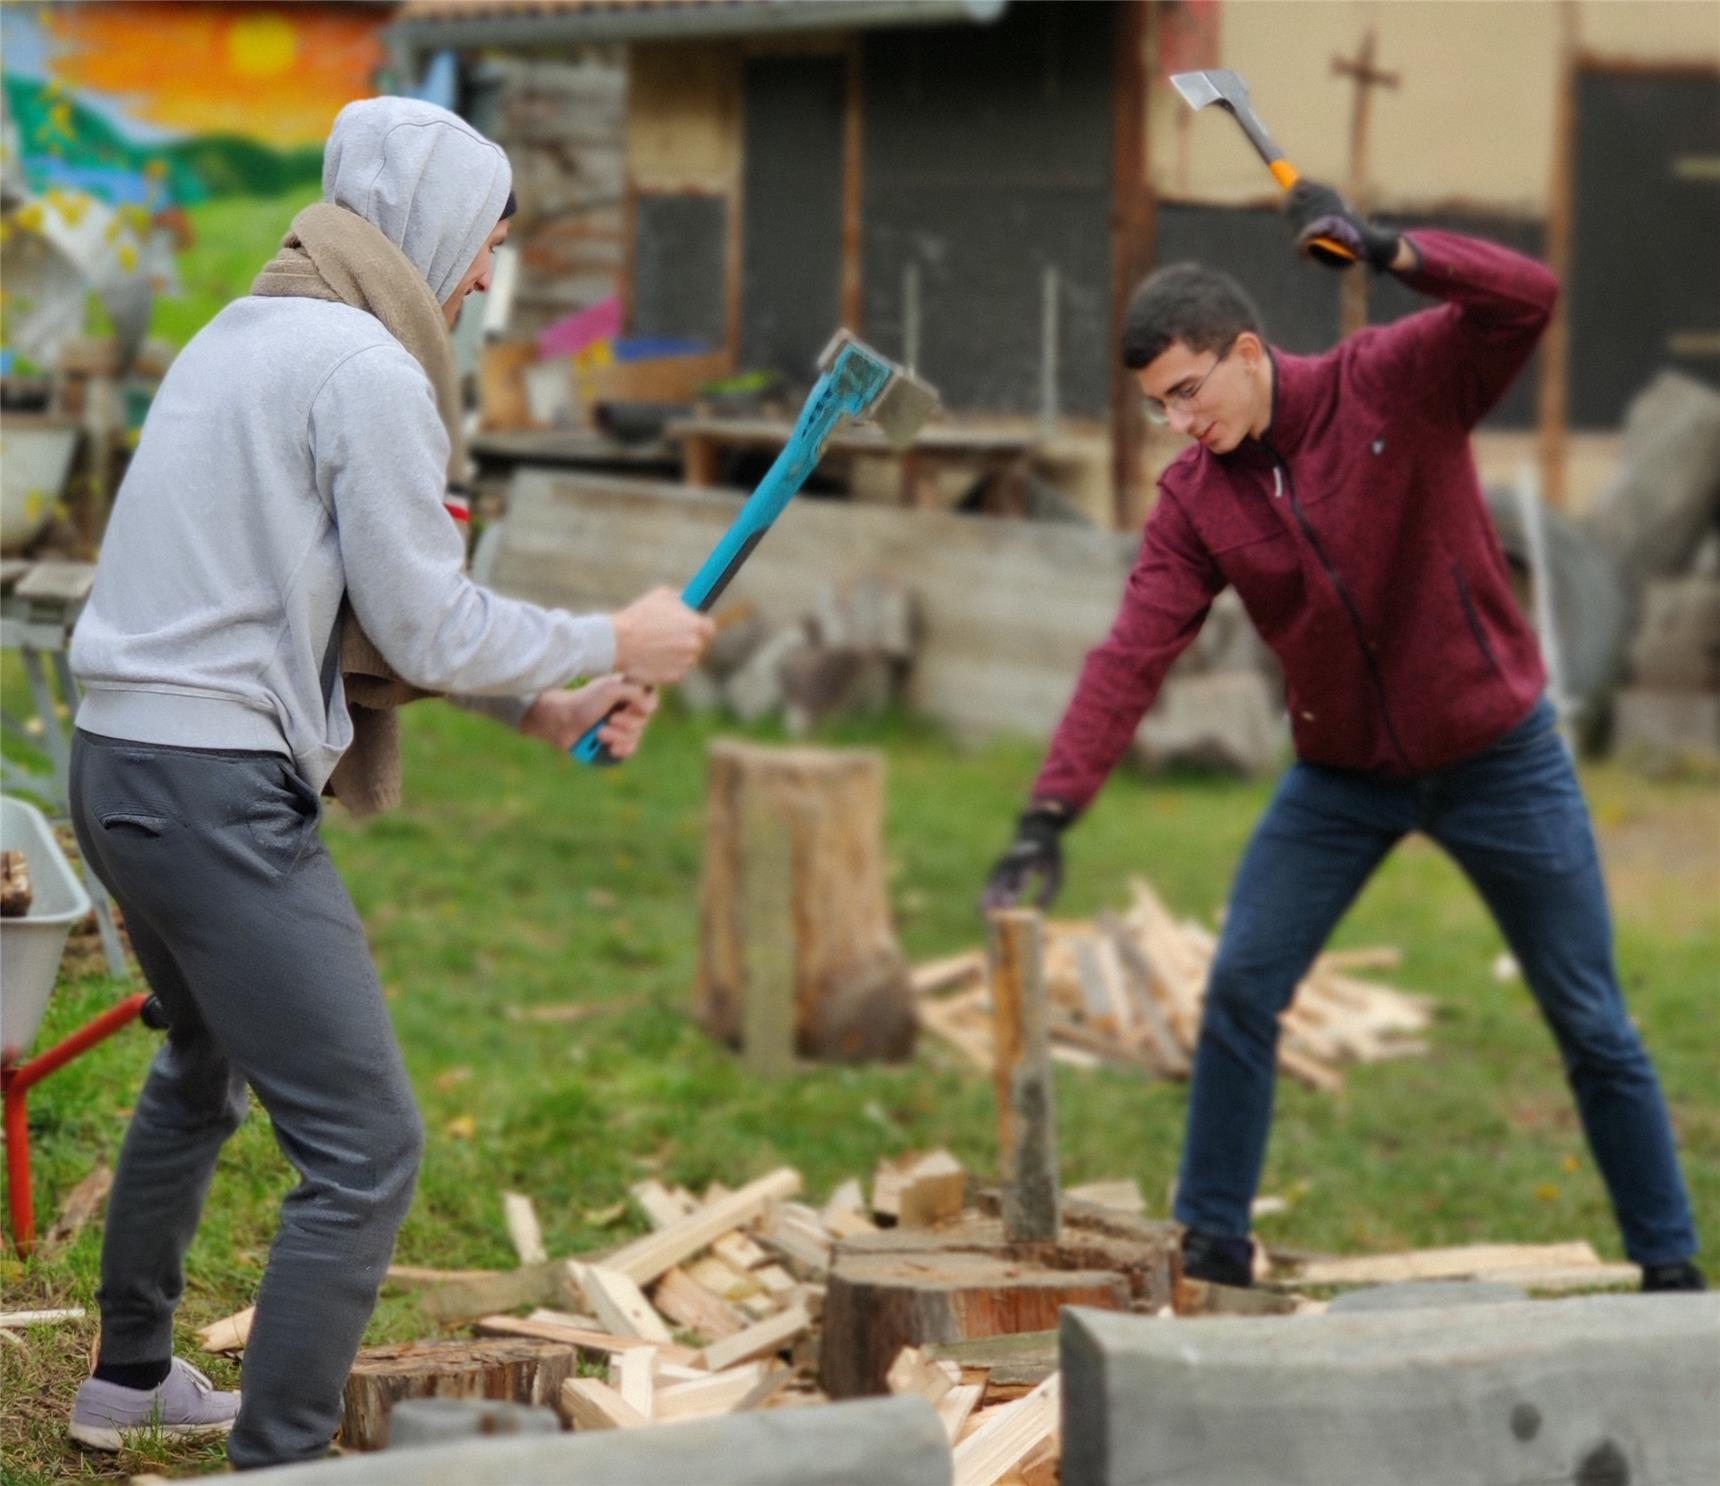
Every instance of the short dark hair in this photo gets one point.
(1187, 302)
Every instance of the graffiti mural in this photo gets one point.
(199, 127)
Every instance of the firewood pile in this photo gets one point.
(721, 1309)
(1128, 988)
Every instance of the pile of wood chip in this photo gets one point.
(1128, 988)
(719, 1309)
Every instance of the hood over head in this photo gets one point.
(424, 177)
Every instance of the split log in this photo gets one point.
(16, 894)
(886, 1296)
(1026, 1124)
(529, 1372)
(849, 988)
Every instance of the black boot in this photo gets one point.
(1681, 1274)
(1218, 1261)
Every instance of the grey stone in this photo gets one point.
(755, 688)
(416, 1422)
(881, 1442)
(1415, 1294)
(1610, 1390)
(1653, 515)
(1225, 720)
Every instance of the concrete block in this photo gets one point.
(416, 1422)
(1610, 1390)
(1417, 1294)
(883, 1442)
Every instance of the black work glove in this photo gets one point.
(1318, 211)
(1034, 854)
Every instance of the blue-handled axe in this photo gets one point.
(855, 382)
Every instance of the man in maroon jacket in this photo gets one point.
(1338, 495)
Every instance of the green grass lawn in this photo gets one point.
(512, 879)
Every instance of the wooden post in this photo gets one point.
(1354, 312)
(1131, 247)
(1026, 1127)
(853, 133)
(1554, 409)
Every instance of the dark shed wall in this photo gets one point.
(987, 156)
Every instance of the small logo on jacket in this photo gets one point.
(1378, 446)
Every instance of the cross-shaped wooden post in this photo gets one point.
(1354, 311)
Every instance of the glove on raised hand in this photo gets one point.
(1318, 211)
(1035, 855)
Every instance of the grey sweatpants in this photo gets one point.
(248, 936)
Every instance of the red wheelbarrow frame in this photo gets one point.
(18, 1079)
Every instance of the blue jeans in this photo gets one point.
(1514, 819)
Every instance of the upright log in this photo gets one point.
(1026, 1127)
(794, 923)
(503, 1368)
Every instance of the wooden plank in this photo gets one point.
(1167, 1050)
(618, 1301)
(1027, 1135)
(454, 1295)
(523, 1228)
(933, 1188)
(948, 972)
(660, 1206)
(593, 1404)
(630, 1375)
(689, 1304)
(1123, 1194)
(587, 1339)
(229, 1334)
(720, 1393)
(766, 1337)
(1447, 1264)
(43, 1317)
(739, 1250)
(1009, 1436)
(650, 1257)
(956, 1406)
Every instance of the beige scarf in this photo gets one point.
(332, 253)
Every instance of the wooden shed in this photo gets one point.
(976, 185)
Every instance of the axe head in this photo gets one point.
(1216, 85)
(901, 403)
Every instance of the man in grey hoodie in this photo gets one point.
(295, 461)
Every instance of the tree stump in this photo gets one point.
(796, 950)
(904, 1288)
(518, 1371)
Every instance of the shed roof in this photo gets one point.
(425, 24)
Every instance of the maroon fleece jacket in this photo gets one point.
(1355, 533)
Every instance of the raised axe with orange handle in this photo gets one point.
(1222, 86)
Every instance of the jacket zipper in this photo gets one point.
(1474, 618)
(1289, 484)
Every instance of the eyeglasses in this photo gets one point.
(1182, 398)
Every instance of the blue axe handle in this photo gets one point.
(851, 386)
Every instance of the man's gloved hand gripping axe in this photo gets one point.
(1331, 232)
(855, 382)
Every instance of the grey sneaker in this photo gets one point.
(185, 1403)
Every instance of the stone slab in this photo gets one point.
(1610, 1390)
(1416, 1294)
(881, 1442)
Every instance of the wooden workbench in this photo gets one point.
(986, 451)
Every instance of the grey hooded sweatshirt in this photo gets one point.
(292, 456)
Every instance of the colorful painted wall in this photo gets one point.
(202, 123)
